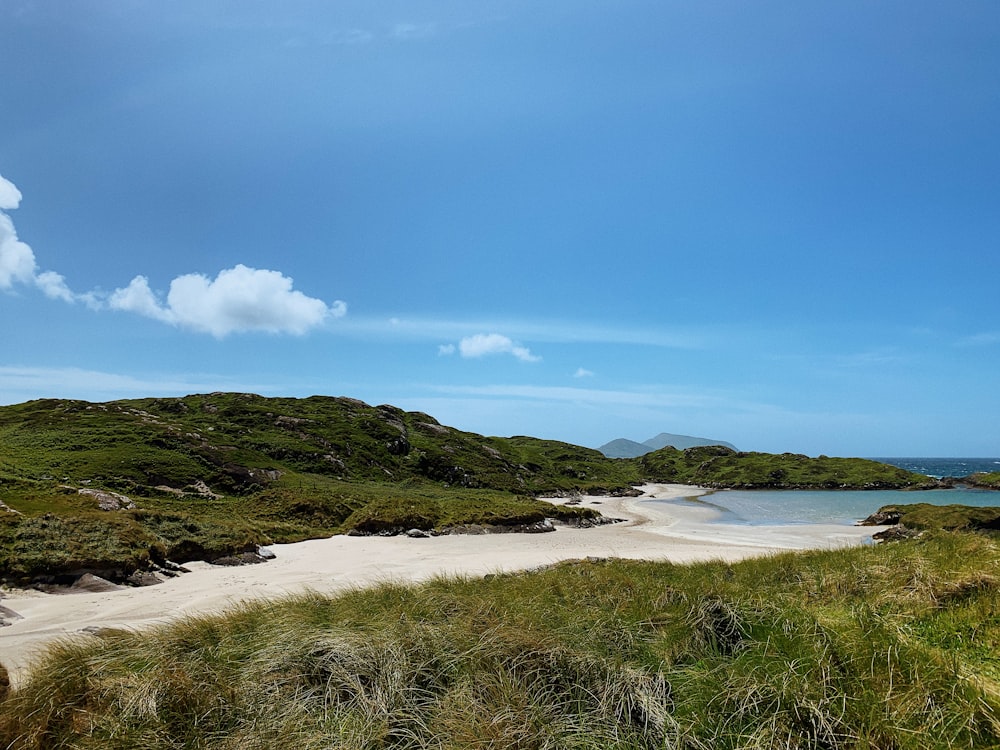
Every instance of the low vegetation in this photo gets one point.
(118, 487)
(720, 467)
(893, 646)
(924, 517)
(987, 480)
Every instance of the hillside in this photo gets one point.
(121, 487)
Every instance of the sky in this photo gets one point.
(772, 223)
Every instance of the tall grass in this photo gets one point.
(888, 647)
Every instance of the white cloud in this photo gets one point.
(446, 349)
(239, 299)
(583, 373)
(138, 298)
(10, 196)
(485, 344)
(54, 286)
(17, 261)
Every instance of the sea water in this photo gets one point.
(944, 467)
(771, 507)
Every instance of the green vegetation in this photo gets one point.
(893, 646)
(924, 516)
(719, 467)
(213, 475)
(987, 480)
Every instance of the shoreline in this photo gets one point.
(650, 531)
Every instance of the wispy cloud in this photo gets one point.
(639, 397)
(238, 299)
(487, 344)
(582, 372)
(414, 30)
(546, 331)
(19, 384)
(987, 338)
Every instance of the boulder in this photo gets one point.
(107, 500)
(882, 517)
(88, 582)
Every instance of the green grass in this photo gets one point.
(893, 646)
(716, 466)
(988, 480)
(924, 516)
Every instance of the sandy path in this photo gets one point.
(653, 531)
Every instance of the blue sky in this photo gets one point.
(773, 223)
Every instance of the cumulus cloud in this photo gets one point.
(10, 196)
(485, 344)
(238, 299)
(17, 261)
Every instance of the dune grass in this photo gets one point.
(893, 646)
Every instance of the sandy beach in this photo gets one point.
(652, 531)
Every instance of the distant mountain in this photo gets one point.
(625, 448)
(680, 442)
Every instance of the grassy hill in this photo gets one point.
(116, 487)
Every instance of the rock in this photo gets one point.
(265, 553)
(540, 527)
(243, 558)
(882, 517)
(143, 578)
(418, 534)
(88, 582)
(8, 616)
(200, 488)
(107, 500)
(895, 534)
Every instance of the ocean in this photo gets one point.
(944, 467)
(769, 507)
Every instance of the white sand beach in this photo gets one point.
(651, 531)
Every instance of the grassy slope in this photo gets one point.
(893, 646)
(288, 469)
(987, 480)
(924, 516)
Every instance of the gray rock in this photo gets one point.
(88, 582)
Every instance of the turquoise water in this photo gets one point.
(766, 507)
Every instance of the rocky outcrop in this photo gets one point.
(882, 517)
(107, 500)
(895, 533)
